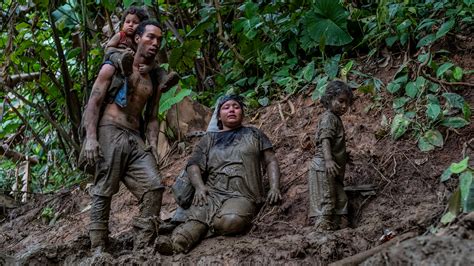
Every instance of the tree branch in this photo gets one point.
(44, 113)
(221, 36)
(72, 100)
(16, 156)
(25, 122)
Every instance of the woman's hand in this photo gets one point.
(200, 196)
(332, 169)
(274, 196)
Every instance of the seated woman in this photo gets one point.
(231, 160)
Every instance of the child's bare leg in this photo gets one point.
(123, 60)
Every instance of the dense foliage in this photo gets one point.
(260, 49)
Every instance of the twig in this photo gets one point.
(281, 113)
(442, 82)
(360, 257)
(380, 173)
(221, 36)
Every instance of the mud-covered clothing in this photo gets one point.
(125, 158)
(327, 196)
(230, 161)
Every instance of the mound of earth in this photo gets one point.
(405, 196)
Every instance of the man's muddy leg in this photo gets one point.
(98, 228)
(187, 235)
(147, 223)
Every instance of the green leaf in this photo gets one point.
(434, 137)
(443, 68)
(432, 111)
(466, 110)
(457, 73)
(454, 207)
(457, 168)
(411, 89)
(399, 126)
(468, 205)
(170, 98)
(465, 181)
(400, 102)
(264, 101)
(182, 57)
(391, 40)
(331, 67)
(454, 100)
(427, 40)
(446, 175)
(445, 28)
(424, 145)
(454, 122)
(447, 218)
(308, 72)
(393, 87)
(320, 88)
(327, 19)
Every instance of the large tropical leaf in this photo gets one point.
(182, 58)
(326, 21)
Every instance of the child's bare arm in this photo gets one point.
(332, 169)
(113, 42)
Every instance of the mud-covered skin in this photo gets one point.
(326, 170)
(114, 144)
(233, 192)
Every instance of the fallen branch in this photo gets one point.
(16, 156)
(442, 82)
(360, 257)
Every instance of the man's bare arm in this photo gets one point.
(153, 129)
(273, 171)
(92, 111)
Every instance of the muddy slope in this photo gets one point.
(408, 197)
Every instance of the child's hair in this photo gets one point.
(333, 89)
(139, 12)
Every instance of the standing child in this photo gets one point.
(328, 201)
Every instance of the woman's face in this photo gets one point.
(231, 115)
(130, 24)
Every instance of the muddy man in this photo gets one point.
(231, 161)
(114, 143)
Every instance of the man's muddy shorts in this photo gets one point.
(125, 158)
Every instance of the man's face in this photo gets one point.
(149, 43)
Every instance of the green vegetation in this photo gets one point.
(260, 49)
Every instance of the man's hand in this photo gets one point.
(92, 150)
(200, 196)
(332, 169)
(274, 196)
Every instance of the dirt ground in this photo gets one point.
(408, 198)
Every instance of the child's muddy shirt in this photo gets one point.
(330, 127)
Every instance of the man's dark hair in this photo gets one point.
(333, 89)
(239, 99)
(139, 12)
(141, 27)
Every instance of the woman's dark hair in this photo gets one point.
(139, 12)
(239, 99)
(333, 89)
(141, 27)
